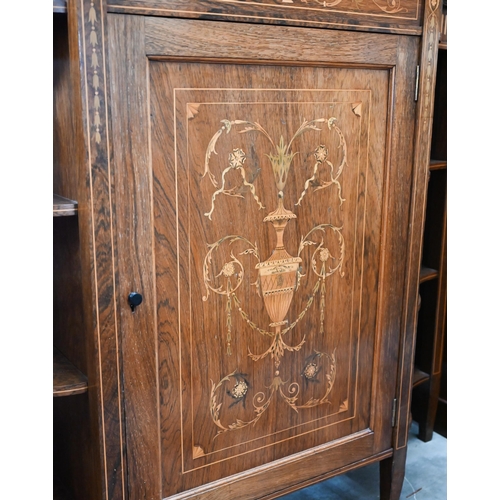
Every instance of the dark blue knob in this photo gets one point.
(134, 299)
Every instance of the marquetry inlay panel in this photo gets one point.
(277, 195)
(385, 15)
(405, 9)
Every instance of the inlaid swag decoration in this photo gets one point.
(280, 275)
(387, 6)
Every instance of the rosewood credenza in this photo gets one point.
(240, 289)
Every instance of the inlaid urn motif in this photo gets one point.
(278, 274)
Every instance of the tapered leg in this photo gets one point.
(426, 427)
(392, 474)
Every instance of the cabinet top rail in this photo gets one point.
(390, 16)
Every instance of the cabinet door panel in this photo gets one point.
(253, 209)
(269, 331)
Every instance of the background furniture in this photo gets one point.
(256, 173)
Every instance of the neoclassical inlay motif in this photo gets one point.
(278, 277)
(389, 7)
(429, 57)
(281, 161)
(192, 109)
(94, 64)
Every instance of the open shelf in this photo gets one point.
(437, 164)
(429, 376)
(444, 27)
(427, 274)
(63, 206)
(68, 380)
(59, 6)
(419, 377)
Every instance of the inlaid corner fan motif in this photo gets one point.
(278, 276)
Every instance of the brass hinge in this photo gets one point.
(394, 406)
(417, 80)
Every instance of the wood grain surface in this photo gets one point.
(77, 440)
(81, 172)
(399, 16)
(261, 183)
(196, 104)
(256, 42)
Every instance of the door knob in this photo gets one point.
(134, 299)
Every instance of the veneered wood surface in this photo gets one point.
(202, 327)
(134, 212)
(81, 172)
(399, 16)
(247, 42)
(77, 438)
(174, 344)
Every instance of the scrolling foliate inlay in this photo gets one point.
(390, 7)
(280, 161)
(278, 277)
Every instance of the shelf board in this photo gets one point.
(63, 206)
(427, 274)
(437, 164)
(443, 45)
(68, 380)
(59, 6)
(419, 377)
